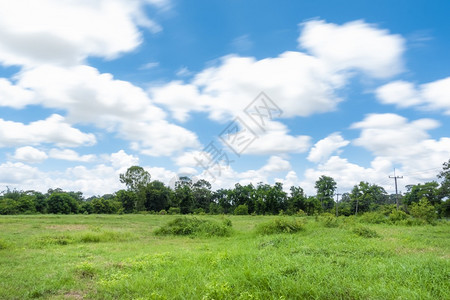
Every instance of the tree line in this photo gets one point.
(188, 197)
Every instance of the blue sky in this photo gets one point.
(89, 88)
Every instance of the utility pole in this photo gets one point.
(337, 201)
(396, 190)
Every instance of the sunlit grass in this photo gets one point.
(120, 257)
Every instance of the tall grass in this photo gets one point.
(120, 257)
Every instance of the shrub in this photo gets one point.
(365, 232)
(85, 270)
(396, 216)
(373, 218)
(424, 211)
(194, 227)
(301, 213)
(163, 212)
(227, 222)
(241, 210)
(280, 225)
(329, 220)
(199, 211)
(174, 211)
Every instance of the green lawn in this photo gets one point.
(119, 257)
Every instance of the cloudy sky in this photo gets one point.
(91, 87)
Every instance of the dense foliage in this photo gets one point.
(426, 201)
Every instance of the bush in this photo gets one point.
(280, 225)
(329, 220)
(174, 211)
(373, 218)
(424, 211)
(365, 232)
(396, 216)
(194, 227)
(163, 212)
(85, 270)
(241, 210)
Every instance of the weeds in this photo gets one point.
(280, 225)
(365, 232)
(195, 227)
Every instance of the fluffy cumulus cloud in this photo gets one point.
(324, 148)
(14, 96)
(430, 96)
(53, 130)
(70, 155)
(299, 84)
(30, 155)
(407, 143)
(347, 174)
(354, 45)
(66, 32)
(15, 174)
(114, 105)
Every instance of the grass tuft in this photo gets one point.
(195, 227)
(3, 244)
(280, 225)
(365, 232)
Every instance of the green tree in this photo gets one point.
(128, 199)
(297, 200)
(444, 175)
(62, 203)
(184, 195)
(157, 196)
(136, 179)
(202, 194)
(366, 197)
(428, 190)
(326, 186)
(424, 210)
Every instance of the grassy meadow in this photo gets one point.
(123, 257)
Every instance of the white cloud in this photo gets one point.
(66, 32)
(276, 140)
(300, 84)
(13, 95)
(324, 148)
(54, 129)
(30, 155)
(122, 161)
(406, 143)
(276, 164)
(17, 174)
(401, 93)
(149, 65)
(114, 105)
(70, 155)
(354, 45)
(430, 96)
(347, 174)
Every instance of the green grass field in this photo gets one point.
(120, 257)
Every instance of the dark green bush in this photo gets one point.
(241, 210)
(329, 220)
(396, 216)
(373, 218)
(174, 211)
(365, 232)
(194, 227)
(280, 225)
(424, 211)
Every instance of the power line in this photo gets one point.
(396, 190)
